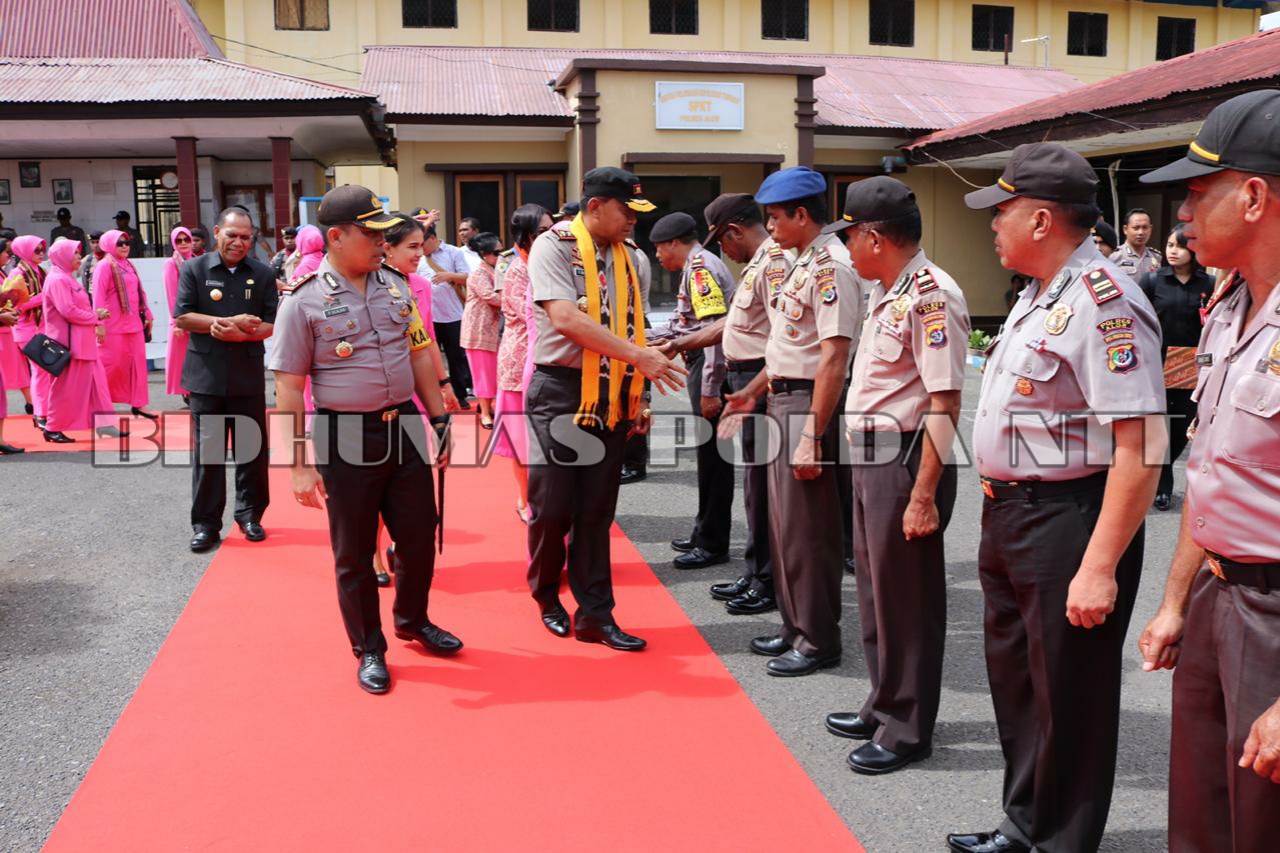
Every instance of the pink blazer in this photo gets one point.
(106, 295)
(68, 316)
(171, 274)
(480, 316)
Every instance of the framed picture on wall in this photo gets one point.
(62, 193)
(5, 198)
(28, 174)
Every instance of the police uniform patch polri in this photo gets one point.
(1121, 358)
(1102, 287)
(825, 279)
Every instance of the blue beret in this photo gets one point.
(791, 185)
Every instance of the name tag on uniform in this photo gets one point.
(1205, 359)
(336, 310)
(579, 271)
(211, 283)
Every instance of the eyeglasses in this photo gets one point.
(123, 242)
(42, 248)
(182, 240)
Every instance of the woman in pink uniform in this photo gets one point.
(7, 318)
(310, 250)
(13, 367)
(80, 392)
(116, 287)
(480, 316)
(30, 251)
(176, 353)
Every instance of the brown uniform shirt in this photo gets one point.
(913, 344)
(1233, 474)
(820, 298)
(746, 329)
(1075, 355)
(697, 267)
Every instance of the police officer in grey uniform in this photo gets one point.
(904, 401)
(706, 289)
(1068, 438)
(1219, 623)
(585, 397)
(353, 327)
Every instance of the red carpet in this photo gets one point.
(249, 733)
(172, 432)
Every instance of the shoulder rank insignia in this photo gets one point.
(386, 267)
(776, 251)
(1102, 287)
(632, 243)
(561, 230)
(697, 262)
(298, 282)
(823, 255)
(1223, 290)
(925, 281)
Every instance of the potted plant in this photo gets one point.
(978, 343)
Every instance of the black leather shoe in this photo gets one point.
(850, 566)
(142, 413)
(632, 475)
(9, 449)
(383, 579)
(556, 621)
(682, 545)
(730, 590)
(612, 636)
(203, 540)
(434, 638)
(850, 725)
(699, 559)
(253, 531)
(793, 663)
(872, 759)
(1163, 502)
(57, 437)
(110, 432)
(753, 602)
(769, 647)
(985, 842)
(372, 674)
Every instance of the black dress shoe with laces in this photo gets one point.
(611, 636)
(769, 647)
(751, 603)
(433, 638)
(985, 842)
(872, 759)
(252, 531)
(1164, 501)
(203, 540)
(793, 663)
(556, 620)
(372, 675)
(850, 725)
(699, 558)
(682, 545)
(632, 475)
(729, 590)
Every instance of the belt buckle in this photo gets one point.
(390, 415)
(986, 488)
(1215, 566)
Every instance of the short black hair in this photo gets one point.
(470, 220)
(95, 235)
(816, 205)
(525, 222)
(1082, 216)
(198, 231)
(485, 243)
(1135, 211)
(1179, 236)
(290, 231)
(905, 230)
(398, 233)
(4, 245)
(234, 210)
(428, 231)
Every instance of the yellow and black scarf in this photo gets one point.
(623, 320)
(35, 283)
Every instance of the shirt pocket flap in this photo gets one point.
(401, 313)
(1258, 394)
(886, 347)
(1036, 366)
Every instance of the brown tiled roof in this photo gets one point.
(103, 28)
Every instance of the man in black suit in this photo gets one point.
(227, 305)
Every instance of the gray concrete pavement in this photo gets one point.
(89, 590)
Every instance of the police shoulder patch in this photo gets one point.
(1102, 287)
(925, 281)
(823, 256)
(775, 251)
(561, 230)
(298, 282)
(697, 262)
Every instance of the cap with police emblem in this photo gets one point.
(1043, 170)
(673, 226)
(612, 182)
(791, 185)
(724, 210)
(1242, 134)
(874, 200)
(351, 204)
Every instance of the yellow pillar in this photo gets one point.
(1137, 49)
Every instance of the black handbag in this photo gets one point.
(47, 354)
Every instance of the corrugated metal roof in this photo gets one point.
(1253, 57)
(109, 81)
(103, 28)
(856, 92)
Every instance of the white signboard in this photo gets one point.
(699, 106)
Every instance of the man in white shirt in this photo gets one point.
(468, 228)
(446, 268)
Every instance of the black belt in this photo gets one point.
(1264, 576)
(882, 438)
(380, 416)
(559, 371)
(789, 386)
(755, 365)
(1040, 490)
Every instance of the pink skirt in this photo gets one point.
(174, 357)
(510, 431)
(124, 357)
(77, 395)
(12, 364)
(484, 372)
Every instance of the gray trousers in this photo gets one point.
(805, 533)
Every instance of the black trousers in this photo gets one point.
(209, 481)
(572, 496)
(844, 481)
(902, 591)
(1056, 688)
(372, 467)
(449, 338)
(755, 483)
(712, 524)
(1181, 410)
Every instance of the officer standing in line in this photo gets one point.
(1067, 440)
(813, 320)
(734, 221)
(1134, 257)
(635, 459)
(1220, 623)
(904, 402)
(706, 289)
(352, 326)
(227, 304)
(586, 396)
